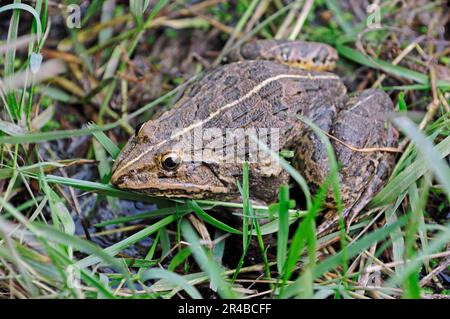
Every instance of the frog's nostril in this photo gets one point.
(120, 180)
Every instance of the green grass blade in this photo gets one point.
(206, 262)
(53, 135)
(273, 226)
(442, 239)
(211, 220)
(245, 193)
(410, 174)
(305, 232)
(172, 210)
(432, 157)
(334, 7)
(179, 258)
(105, 141)
(352, 250)
(26, 7)
(136, 237)
(52, 234)
(283, 228)
(100, 188)
(387, 67)
(288, 168)
(171, 277)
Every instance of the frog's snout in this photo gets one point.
(117, 179)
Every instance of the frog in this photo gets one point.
(265, 85)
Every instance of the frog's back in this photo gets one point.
(253, 94)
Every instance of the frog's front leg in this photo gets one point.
(360, 123)
(306, 55)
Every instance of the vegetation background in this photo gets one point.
(76, 77)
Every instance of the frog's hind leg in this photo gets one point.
(361, 124)
(306, 55)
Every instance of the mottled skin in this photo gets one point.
(305, 55)
(262, 94)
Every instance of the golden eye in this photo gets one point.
(170, 161)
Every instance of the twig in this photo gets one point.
(301, 19)
(435, 271)
(365, 149)
(288, 20)
(199, 6)
(401, 262)
(433, 106)
(259, 12)
(397, 60)
(444, 102)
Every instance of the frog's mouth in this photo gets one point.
(191, 180)
(187, 191)
(170, 188)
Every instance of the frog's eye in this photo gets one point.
(138, 128)
(170, 161)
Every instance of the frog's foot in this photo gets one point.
(360, 123)
(306, 55)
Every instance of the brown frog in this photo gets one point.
(269, 86)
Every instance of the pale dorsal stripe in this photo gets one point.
(252, 92)
(359, 103)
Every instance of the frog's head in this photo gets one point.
(155, 161)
